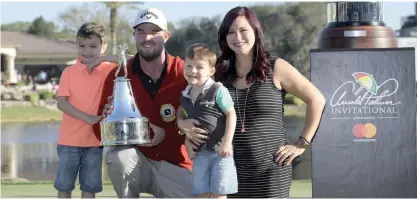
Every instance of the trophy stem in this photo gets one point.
(122, 60)
(124, 125)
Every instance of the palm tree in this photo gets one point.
(114, 6)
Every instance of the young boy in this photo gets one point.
(78, 97)
(209, 102)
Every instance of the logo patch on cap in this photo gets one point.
(148, 15)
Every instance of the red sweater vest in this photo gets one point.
(161, 110)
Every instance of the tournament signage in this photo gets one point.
(366, 143)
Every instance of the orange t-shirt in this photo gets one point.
(84, 92)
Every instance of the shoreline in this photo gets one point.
(29, 114)
(18, 114)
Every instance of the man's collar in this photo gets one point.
(207, 85)
(136, 68)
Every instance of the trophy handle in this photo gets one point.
(122, 59)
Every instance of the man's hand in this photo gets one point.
(158, 137)
(196, 135)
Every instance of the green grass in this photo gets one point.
(294, 111)
(29, 114)
(299, 188)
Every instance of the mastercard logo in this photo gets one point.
(367, 130)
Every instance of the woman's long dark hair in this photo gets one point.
(226, 63)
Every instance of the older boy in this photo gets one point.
(79, 92)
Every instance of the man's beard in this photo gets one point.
(150, 55)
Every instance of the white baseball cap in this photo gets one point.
(151, 15)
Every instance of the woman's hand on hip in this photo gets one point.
(286, 154)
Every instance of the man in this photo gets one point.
(162, 168)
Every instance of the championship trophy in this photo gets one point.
(356, 25)
(125, 125)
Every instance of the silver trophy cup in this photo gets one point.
(125, 125)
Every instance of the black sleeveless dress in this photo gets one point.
(259, 176)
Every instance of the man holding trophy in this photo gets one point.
(138, 163)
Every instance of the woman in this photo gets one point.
(258, 83)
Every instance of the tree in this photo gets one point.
(114, 6)
(41, 27)
(19, 26)
(411, 21)
(74, 17)
(291, 30)
(194, 30)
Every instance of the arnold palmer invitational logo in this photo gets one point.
(364, 97)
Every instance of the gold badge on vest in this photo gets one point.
(167, 112)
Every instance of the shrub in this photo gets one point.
(26, 97)
(291, 99)
(46, 95)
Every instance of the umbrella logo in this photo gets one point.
(366, 81)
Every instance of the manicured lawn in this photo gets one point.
(29, 114)
(299, 188)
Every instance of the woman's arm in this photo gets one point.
(288, 78)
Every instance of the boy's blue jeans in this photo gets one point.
(214, 174)
(87, 161)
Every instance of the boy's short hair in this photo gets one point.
(201, 52)
(91, 28)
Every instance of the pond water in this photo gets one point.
(28, 150)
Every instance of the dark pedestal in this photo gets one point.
(365, 146)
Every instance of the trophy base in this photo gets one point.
(344, 37)
(128, 131)
(124, 142)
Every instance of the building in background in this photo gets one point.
(29, 57)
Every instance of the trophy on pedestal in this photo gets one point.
(125, 125)
(365, 146)
(356, 25)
